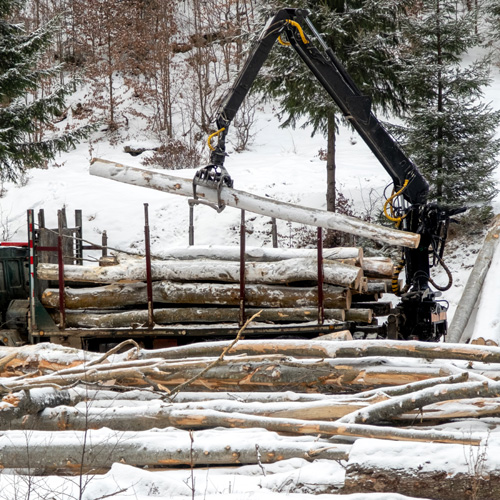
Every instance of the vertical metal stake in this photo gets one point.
(60, 263)
(191, 223)
(321, 307)
(78, 238)
(274, 232)
(104, 244)
(242, 268)
(149, 284)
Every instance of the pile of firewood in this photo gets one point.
(308, 399)
(201, 285)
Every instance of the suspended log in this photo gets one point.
(66, 451)
(253, 203)
(422, 470)
(186, 315)
(284, 271)
(259, 254)
(168, 292)
(474, 285)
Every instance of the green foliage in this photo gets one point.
(21, 114)
(449, 132)
(364, 36)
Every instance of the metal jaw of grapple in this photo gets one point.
(214, 177)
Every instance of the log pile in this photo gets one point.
(199, 285)
(309, 399)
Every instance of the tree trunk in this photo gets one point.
(474, 285)
(284, 271)
(168, 292)
(253, 203)
(66, 451)
(259, 254)
(185, 315)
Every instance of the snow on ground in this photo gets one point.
(282, 164)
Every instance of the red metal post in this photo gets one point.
(31, 245)
(242, 268)
(321, 307)
(149, 283)
(60, 263)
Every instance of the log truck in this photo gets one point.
(420, 313)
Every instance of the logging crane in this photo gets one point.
(419, 315)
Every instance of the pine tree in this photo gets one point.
(364, 36)
(22, 115)
(449, 131)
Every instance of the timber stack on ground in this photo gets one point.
(201, 285)
(391, 413)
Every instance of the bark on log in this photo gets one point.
(354, 349)
(386, 410)
(167, 292)
(140, 416)
(258, 254)
(253, 203)
(378, 267)
(210, 418)
(421, 470)
(187, 315)
(474, 285)
(170, 447)
(242, 373)
(284, 271)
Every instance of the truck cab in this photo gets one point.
(14, 291)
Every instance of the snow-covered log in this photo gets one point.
(223, 294)
(260, 254)
(253, 203)
(186, 315)
(75, 452)
(280, 272)
(474, 285)
(352, 349)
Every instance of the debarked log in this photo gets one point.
(252, 203)
(66, 450)
(169, 292)
(284, 271)
(182, 315)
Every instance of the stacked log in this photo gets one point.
(200, 285)
(367, 404)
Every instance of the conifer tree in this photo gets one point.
(21, 115)
(449, 132)
(364, 36)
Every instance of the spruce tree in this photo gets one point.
(364, 36)
(449, 132)
(21, 114)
